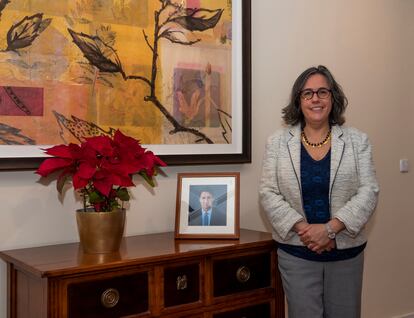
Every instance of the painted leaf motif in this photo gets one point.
(97, 52)
(69, 20)
(83, 80)
(3, 4)
(44, 24)
(12, 136)
(178, 37)
(105, 82)
(23, 33)
(190, 110)
(19, 63)
(198, 20)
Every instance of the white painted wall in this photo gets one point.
(368, 46)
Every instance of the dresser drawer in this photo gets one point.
(181, 284)
(109, 298)
(238, 274)
(255, 311)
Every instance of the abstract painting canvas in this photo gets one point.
(173, 73)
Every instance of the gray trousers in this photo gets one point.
(322, 289)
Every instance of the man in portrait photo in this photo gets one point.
(211, 210)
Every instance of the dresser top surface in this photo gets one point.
(56, 260)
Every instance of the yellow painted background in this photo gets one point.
(71, 88)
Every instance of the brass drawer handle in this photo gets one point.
(110, 298)
(243, 274)
(182, 282)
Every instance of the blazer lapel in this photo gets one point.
(337, 151)
(294, 151)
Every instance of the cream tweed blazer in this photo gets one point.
(353, 189)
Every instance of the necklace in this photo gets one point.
(319, 144)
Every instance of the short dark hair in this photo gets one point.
(292, 114)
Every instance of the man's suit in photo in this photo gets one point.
(218, 217)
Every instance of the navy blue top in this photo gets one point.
(314, 177)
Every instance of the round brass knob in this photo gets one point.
(243, 274)
(110, 298)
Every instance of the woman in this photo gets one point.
(319, 189)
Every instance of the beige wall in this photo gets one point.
(368, 46)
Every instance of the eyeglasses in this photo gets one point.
(322, 93)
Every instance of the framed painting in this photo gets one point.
(207, 205)
(175, 74)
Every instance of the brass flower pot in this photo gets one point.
(100, 232)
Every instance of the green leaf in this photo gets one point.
(147, 178)
(123, 194)
(60, 183)
(95, 197)
(114, 205)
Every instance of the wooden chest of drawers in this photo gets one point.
(152, 276)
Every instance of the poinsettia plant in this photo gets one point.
(101, 168)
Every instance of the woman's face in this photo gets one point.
(316, 110)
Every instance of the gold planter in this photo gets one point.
(100, 232)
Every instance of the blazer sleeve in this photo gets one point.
(357, 211)
(279, 212)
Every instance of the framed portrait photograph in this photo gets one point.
(207, 205)
(175, 74)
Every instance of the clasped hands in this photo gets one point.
(314, 236)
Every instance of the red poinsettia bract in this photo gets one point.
(101, 168)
